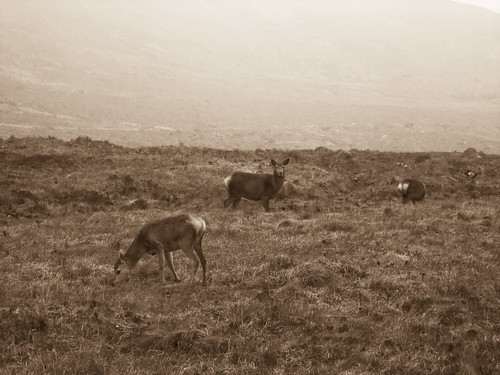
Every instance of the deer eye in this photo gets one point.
(118, 272)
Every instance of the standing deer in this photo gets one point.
(178, 231)
(255, 186)
(411, 190)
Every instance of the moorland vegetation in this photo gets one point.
(340, 277)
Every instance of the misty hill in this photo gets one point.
(388, 75)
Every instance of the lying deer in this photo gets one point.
(255, 186)
(162, 237)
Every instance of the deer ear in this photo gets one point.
(286, 161)
(116, 246)
(273, 162)
(121, 254)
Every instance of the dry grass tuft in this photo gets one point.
(281, 262)
(315, 275)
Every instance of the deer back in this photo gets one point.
(253, 185)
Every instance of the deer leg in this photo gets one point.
(233, 200)
(170, 265)
(199, 251)
(228, 201)
(236, 202)
(265, 203)
(188, 250)
(161, 258)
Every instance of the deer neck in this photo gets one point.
(278, 181)
(133, 255)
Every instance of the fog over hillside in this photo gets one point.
(385, 74)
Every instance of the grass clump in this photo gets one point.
(315, 275)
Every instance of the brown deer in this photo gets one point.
(162, 237)
(255, 186)
(411, 190)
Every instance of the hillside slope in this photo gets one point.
(343, 74)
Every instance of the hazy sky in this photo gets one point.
(493, 5)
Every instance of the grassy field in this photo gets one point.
(340, 277)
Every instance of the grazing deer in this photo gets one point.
(255, 186)
(162, 237)
(411, 190)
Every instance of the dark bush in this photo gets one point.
(421, 158)
(91, 197)
(139, 204)
(21, 195)
(45, 161)
(128, 185)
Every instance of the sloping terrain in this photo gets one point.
(388, 75)
(339, 278)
